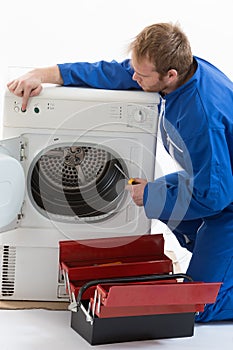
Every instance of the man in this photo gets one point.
(197, 130)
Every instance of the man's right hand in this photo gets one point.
(26, 86)
(30, 84)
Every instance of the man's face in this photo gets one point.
(146, 76)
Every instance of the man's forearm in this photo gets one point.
(48, 75)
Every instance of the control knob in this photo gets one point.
(139, 116)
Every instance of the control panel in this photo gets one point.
(50, 111)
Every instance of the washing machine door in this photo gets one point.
(12, 182)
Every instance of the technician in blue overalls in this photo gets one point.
(197, 130)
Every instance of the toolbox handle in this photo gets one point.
(144, 278)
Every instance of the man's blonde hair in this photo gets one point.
(165, 45)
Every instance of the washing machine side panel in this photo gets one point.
(12, 183)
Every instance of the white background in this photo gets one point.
(45, 32)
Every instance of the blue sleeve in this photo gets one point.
(102, 75)
(205, 192)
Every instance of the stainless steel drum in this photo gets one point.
(77, 180)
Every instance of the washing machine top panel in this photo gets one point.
(12, 182)
(91, 94)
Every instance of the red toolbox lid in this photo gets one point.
(154, 298)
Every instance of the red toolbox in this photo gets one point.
(123, 289)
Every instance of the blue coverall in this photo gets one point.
(197, 202)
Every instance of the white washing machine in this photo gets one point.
(58, 179)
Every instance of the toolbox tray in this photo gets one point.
(86, 260)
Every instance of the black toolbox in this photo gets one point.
(123, 289)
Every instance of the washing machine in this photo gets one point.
(60, 179)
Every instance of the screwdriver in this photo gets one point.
(131, 180)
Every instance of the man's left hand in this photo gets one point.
(137, 190)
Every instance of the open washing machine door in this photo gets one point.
(12, 182)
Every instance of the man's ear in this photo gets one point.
(172, 74)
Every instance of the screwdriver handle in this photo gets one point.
(131, 181)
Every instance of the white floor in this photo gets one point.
(43, 329)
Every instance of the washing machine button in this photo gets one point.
(17, 109)
(36, 109)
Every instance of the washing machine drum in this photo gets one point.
(77, 181)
